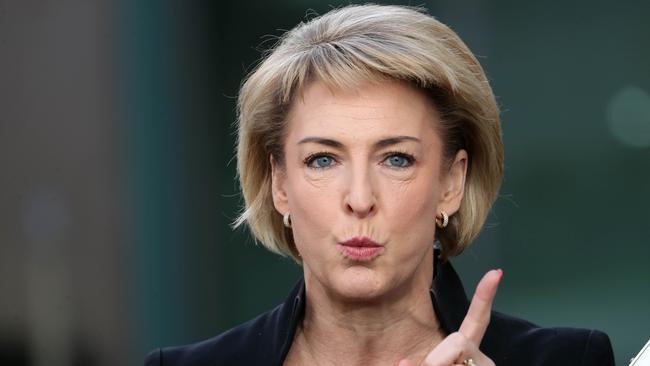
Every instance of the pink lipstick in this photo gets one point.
(360, 249)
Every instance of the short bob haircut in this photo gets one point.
(370, 43)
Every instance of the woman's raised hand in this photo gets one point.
(462, 345)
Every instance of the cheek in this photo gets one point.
(412, 198)
(313, 204)
(410, 209)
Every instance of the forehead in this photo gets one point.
(373, 108)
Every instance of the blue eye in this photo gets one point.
(399, 161)
(320, 161)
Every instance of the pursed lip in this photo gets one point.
(360, 249)
(360, 242)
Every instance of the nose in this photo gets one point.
(360, 199)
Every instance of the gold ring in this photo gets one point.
(469, 362)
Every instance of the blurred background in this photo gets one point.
(117, 171)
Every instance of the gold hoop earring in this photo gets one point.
(286, 219)
(442, 221)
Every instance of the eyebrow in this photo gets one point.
(379, 144)
(395, 140)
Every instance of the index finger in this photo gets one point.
(478, 315)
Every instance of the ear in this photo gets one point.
(278, 178)
(453, 184)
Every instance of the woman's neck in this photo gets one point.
(400, 325)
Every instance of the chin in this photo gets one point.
(359, 283)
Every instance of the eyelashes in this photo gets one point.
(320, 160)
(399, 160)
(391, 159)
(316, 160)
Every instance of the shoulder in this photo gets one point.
(513, 341)
(245, 344)
(264, 340)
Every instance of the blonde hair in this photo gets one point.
(343, 48)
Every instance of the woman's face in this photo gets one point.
(362, 182)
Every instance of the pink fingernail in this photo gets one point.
(500, 273)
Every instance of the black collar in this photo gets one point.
(449, 299)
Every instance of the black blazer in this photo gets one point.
(266, 339)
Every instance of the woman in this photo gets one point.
(365, 136)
